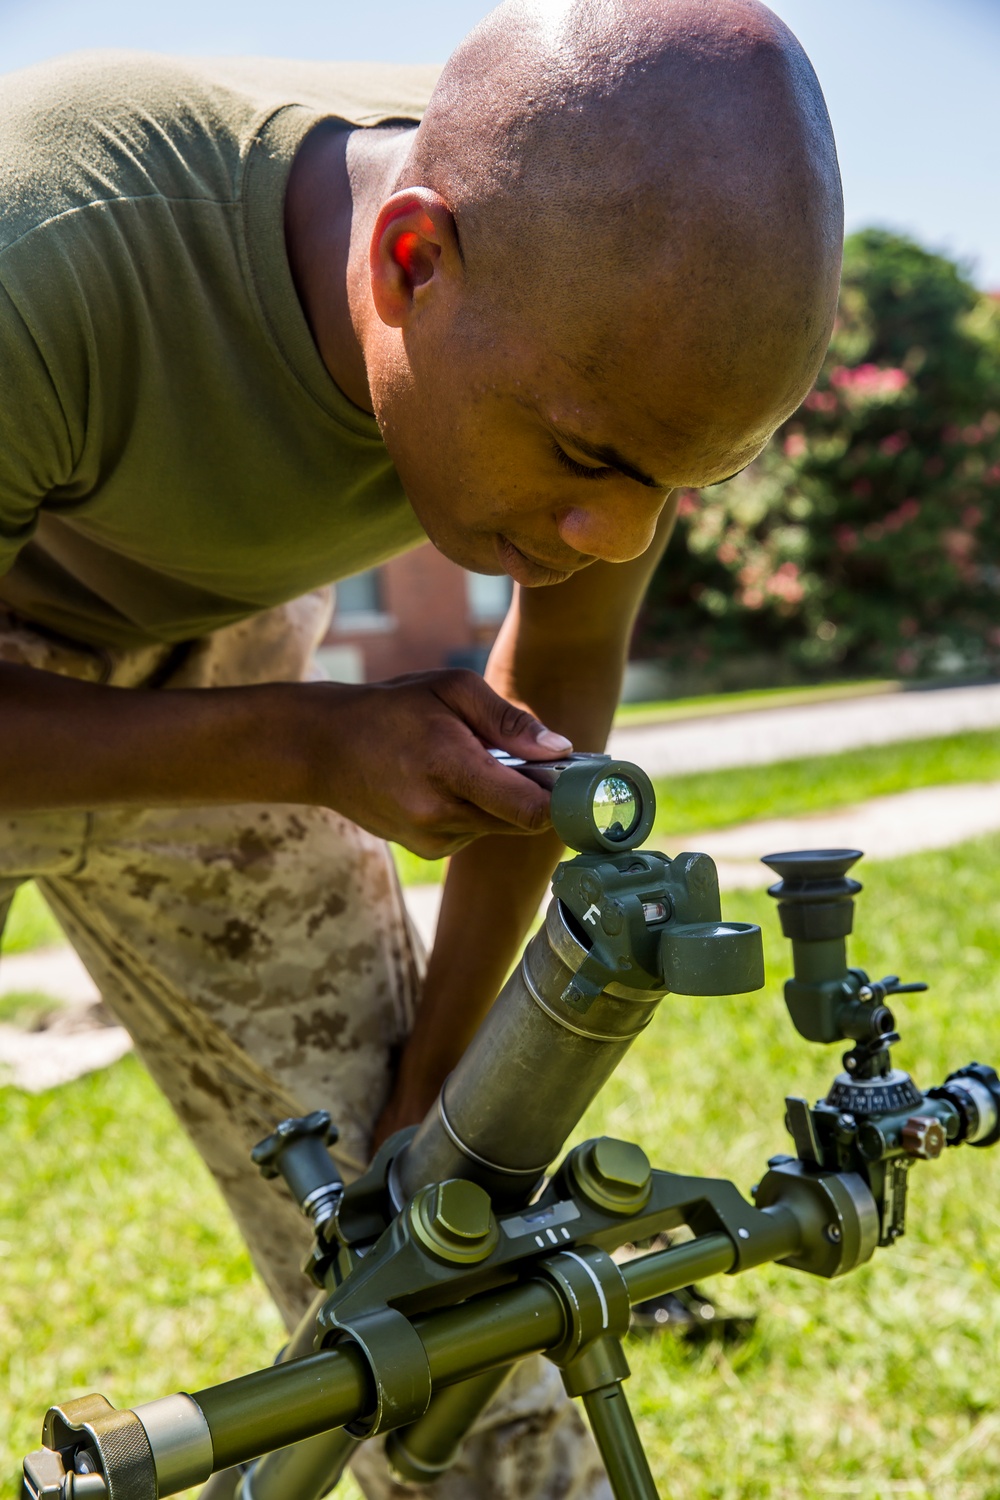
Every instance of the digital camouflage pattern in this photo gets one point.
(263, 962)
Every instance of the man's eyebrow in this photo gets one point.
(608, 455)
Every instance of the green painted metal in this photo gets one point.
(422, 1451)
(621, 1447)
(449, 1260)
(284, 1403)
(310, 1468)
(573, 805)
(665, 1271)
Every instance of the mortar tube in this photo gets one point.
(529, 1074)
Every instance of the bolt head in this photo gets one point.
(462, 1209)
(454, 1221)
(620, 1164)
(612, 1175)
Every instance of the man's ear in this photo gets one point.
(414, 247)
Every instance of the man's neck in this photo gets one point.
(339, 180)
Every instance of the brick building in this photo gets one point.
(415, 612)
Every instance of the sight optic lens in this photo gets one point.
(617, 808)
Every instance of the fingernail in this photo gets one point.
(557, 743)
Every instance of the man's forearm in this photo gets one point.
(491, 895)
(403, 758)
(69, 744)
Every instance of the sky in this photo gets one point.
(913, 86)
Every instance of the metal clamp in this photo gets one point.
(397, 1360)
(594, 1296)
(118, 1439)
(836, 1211)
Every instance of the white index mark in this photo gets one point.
(591, 915)
(600, 1290)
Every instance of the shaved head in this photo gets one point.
(607, 266)
(599, 151)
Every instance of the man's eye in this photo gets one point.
(583, 471)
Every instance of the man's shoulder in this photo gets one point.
(95, 127)
(362, 93)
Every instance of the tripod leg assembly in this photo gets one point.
(461, 1251)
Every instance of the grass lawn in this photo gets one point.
(124, 1275)
(30, 924)
(717, 799)
(711, 704)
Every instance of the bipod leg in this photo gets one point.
(304, 1471)
(621, 1447)
(424, 1450)
(596, 1375)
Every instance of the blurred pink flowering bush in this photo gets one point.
(866, 538)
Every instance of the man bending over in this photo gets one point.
(263, 325)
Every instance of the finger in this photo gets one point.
(498, 722)
(505, 796)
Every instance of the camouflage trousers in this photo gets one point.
(262, 960)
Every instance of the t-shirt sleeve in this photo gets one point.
(35, 447)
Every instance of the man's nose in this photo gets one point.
(613, 530)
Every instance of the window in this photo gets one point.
(489, 596)
(360, 595)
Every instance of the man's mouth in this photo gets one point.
(532, 572)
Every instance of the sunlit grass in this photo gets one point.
(716, 799)
(29, 924)
(26, 1008)
(666, 709)
(122, 1272)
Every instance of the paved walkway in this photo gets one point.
(760, 736)
(76, 1038)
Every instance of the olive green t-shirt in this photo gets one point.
(173, 453)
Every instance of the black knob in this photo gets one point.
(296, 1150)
(975, 1092)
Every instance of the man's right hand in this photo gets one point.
(406, 759)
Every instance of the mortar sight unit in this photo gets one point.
(874, 1121)
(463, 1249)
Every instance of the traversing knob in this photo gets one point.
(297, 1151)
(923, 1138)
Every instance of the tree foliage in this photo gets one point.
(866, 537)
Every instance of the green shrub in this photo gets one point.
(866, 537)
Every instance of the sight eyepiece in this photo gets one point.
(599, 805)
